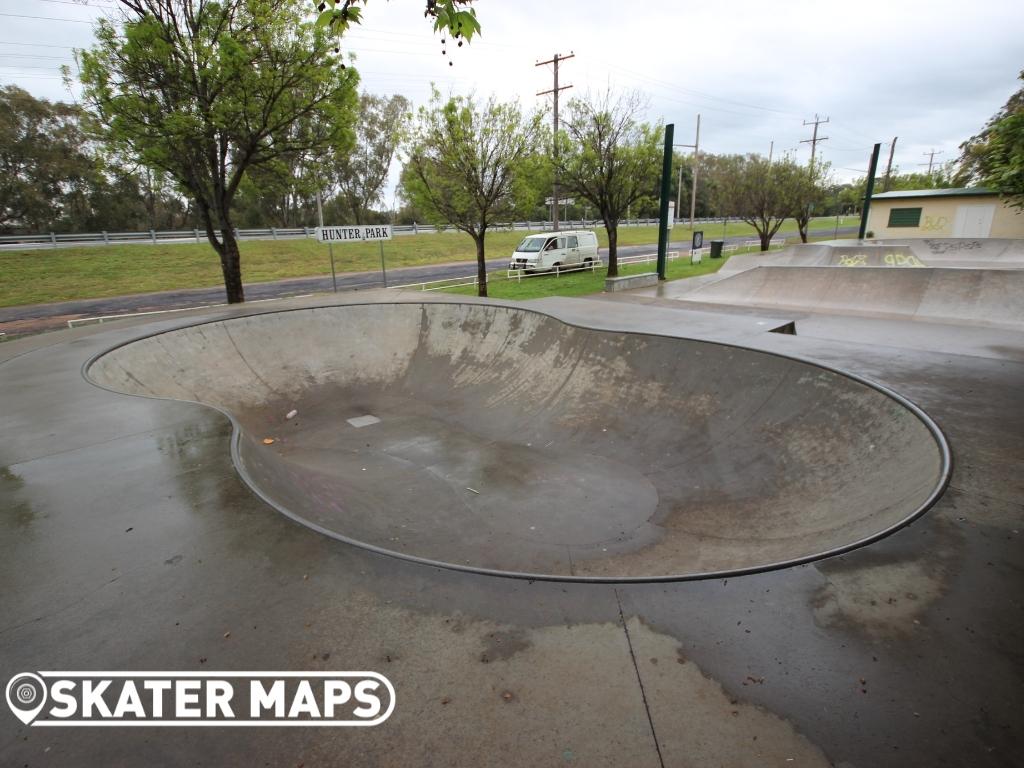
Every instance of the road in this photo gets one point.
(34, 318)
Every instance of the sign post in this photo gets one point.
(357, 233)
(330, 248)
(663, 218)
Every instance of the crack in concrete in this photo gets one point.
(636, 669)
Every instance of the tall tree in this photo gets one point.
(207, 91)
(995, 157)
(360, 175)
(761, 193)
(809, 191)
(463, 163)
(609, 158)
(43, 157)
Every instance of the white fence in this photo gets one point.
(519, 274)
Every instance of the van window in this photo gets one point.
(531, 245)
(571, 242)
(552, 243)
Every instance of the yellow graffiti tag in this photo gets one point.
(902, 260)
(934, 224)
(854, 260)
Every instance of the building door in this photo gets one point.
(973, 220)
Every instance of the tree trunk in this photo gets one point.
(481, 265)
(612, 228)
(802, 223)
(227, 250)
(231, 264)
(765, 238)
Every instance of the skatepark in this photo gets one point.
(769, 516)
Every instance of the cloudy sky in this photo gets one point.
(930, 73)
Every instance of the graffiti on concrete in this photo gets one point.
(888, 260)
(952, 246)
(902, 260)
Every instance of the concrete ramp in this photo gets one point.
(963, 253)
(976, 296)
(495, 439)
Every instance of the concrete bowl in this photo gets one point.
(500, 440)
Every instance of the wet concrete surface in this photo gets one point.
(128, 541)
(504, 440)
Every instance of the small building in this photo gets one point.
(969, 212)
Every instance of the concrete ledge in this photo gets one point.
(612, 284)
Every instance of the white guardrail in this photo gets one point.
(152, 236)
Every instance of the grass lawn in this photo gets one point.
(61, 274)
(499, 286)
(582, 283)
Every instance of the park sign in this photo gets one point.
(357, 233)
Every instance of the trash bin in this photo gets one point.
(716, 248)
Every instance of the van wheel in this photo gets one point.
(557, 266)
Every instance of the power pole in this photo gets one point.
(813, 141)
(888, 167)
(771, 151)
(554, 133)
(693, 187)
(931, 159)
(696, 162)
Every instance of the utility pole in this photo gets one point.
(554, 133)
(771, 150)
(888, 167)
(696, 162)
(931, 159)
(813, 141)
(693, 187)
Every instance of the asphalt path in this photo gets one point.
(33, 318)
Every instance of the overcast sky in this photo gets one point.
(930, 73)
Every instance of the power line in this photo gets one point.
(33, 56)
(88, 4)
(701, 94)
(37, 45)
(27, 67)
(46, 18)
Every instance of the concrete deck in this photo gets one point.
(129, 541)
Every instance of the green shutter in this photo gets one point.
(905, 217)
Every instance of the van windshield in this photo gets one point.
(531, 245)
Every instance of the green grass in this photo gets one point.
(62, 274)
(582, 283)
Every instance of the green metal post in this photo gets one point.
(868, 192)
(666, 184)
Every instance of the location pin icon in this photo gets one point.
(26, 695)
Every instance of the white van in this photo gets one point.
(550, 250)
